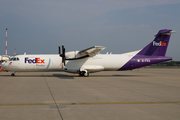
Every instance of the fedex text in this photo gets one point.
(35, 60)
(161, 43)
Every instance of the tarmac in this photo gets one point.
(141, 94)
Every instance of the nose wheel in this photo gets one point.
(12, 74)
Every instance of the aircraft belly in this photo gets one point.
(92, 68)
(89, 68)
(111, 62)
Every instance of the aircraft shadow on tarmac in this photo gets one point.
(115, 75)
(63, 76)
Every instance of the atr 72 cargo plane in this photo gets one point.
(89, 60)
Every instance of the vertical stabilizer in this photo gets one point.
(159, 45)
(153, 53)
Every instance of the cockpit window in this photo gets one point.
(14, 59)
(11, 59)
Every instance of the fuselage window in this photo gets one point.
(17, 59)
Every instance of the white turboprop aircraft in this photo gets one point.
(89, 60)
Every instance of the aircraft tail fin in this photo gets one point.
(159, 45)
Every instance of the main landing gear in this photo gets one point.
(84, 73)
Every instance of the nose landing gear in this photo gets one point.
(12, 74)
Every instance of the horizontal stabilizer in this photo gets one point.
(167, 33)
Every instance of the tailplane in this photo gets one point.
(159, 45)
(153, 53)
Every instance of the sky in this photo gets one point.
(40, 26)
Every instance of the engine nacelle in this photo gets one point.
(71, 55)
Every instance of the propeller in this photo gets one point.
(59, 50)
(63, 54)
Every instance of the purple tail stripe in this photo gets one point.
(140, 61)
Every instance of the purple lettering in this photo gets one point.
(35, 60)
(26, 59)
(30, 61)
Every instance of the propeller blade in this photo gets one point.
(64, 61)
(59, 50)
(63, 55)
(63, 50)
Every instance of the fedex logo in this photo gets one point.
(161, 43)
(35, 60)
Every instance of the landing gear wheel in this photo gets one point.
(86, 74)
(12, 74)
(81, 73)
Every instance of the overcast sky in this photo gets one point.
(39, 26)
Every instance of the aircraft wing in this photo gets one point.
(92, 51)
(4, 57)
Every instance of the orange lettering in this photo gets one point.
(42, 61)
(163, 44)
(37, 60)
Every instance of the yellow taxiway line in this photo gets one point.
(101, 103)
